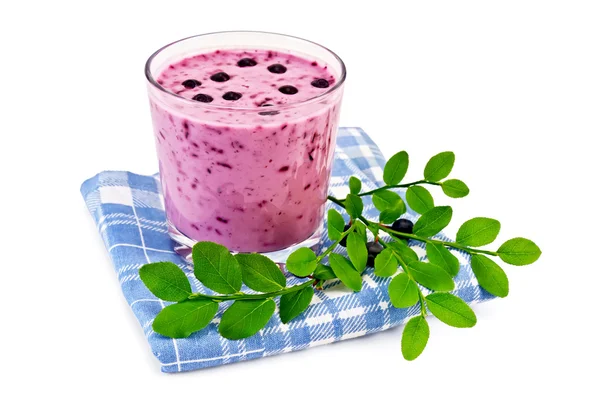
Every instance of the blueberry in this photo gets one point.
(246, 62)
(232, 96)
(288, 90)
(203, 98)
(277, 68)
(191, 83)
(320, 83)
(220, 77)
(343, 241)
(374, 248)
(403, 226)
(371, 260)
(271, 113)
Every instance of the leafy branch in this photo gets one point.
(404, 185)
(242, 296)
(224, 273)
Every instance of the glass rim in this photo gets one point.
(338, 84)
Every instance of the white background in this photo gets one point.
(513, 87)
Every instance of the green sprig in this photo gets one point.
(413, 282)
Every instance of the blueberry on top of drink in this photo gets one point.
(220, 77)
(232, 96)
(191, 83)
(320, 83)
(258, 76)
(202, 98)
(246, 62)
(277, 69)
(288, 90)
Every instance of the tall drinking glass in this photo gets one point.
(248, 168)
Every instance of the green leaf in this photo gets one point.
(344, 270)
(431, 276)
(433, 221)
(419, 199)
(245, 318)
(216, 268)
(441, 256)
(361, 230)
(386, 263)
(403, 242)
(390, 204)
(390, 215)
(455, 188)
(323, 272)
(166, 281)
(354, 205)
(490, 276)
(395, 168)
(180, 320)
(450, 309)
(302, 262)
(414, 337)
(384, 199)
(357, 251)
(477, 232)
(403, 291)
(439, 166)
(335, 224)
(260, 273)
(293, 304)
(406, 253)
(355, 185)
(519, 251)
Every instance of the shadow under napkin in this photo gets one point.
(129, 214)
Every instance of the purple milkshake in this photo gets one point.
(245, 137)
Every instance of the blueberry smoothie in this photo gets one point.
(245, 141)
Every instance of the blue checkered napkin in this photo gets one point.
(129, 214)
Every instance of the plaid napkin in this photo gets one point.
(129, 213)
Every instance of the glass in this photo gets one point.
(252, 178)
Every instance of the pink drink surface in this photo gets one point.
(242, 174)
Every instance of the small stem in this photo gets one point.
(334, 200)
(403, 265)
(421, 297)
(392, 232)
(468, 249)
(422, 300)
(332, 246)
(246, 297)
(421, 182)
